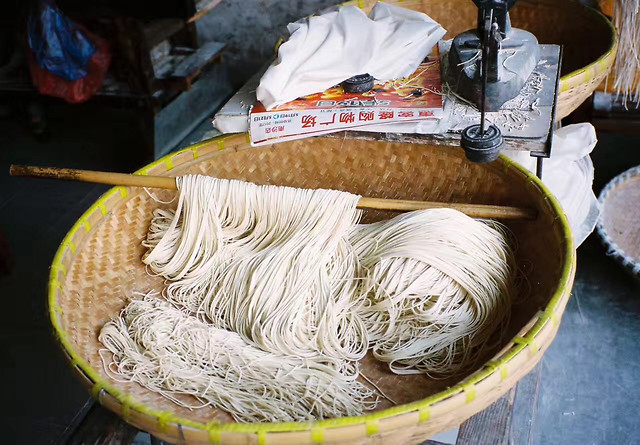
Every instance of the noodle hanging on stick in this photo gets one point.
(292, 272)
(271, 263)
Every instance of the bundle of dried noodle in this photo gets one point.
(438, 285)
(626, 18)
(277, 292)
(175, 354)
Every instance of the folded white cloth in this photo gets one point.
(569, 175)
(326, 49)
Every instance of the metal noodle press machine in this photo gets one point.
(509, 78)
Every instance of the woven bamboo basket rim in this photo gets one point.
(614, 250)
(515, 360)
(600, 65)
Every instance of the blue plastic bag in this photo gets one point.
(58, 44)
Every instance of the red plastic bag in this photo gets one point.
(79, 90)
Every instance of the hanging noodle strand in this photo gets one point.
(626, 17)
(270, 263)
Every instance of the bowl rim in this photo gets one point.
(613, 249)
(528, 344)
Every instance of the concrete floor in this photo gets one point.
(589, 392)
(588, 388)
(40, 396)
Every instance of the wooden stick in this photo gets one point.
(165, 182)
(71, 174)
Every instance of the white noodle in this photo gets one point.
(175, 354)
(438, 285)
(270, 263)
(278, 292)
(626, 17)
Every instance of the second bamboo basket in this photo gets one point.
(589, 38)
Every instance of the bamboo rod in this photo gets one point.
(165, 182)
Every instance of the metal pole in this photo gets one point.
(539, 167)
(485, 68)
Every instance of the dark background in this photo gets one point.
(589, 391)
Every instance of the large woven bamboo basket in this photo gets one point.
(98, 266)
(589, 39)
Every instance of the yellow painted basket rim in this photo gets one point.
(423, 407)
(601, 62)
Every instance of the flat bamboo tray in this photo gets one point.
(589, 38)
(619, 224)
(98, 266)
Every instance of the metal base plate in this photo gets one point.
(526, 120)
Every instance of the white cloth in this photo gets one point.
(326, 49)
(569, 175)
